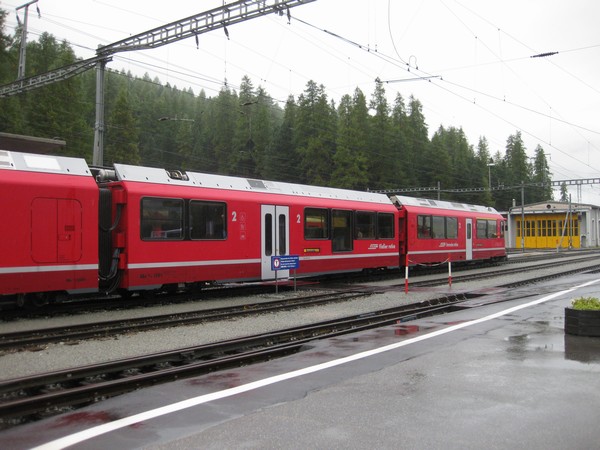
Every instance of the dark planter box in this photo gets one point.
(581, 322)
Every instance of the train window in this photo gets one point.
(385, 226)
(487, 229)
(282, 235)
(438, 225)
(424, 227)
(208, 220)
(365, 225)
(492, 229)
(268, 234)
(481, 229)
(451, 228)
(341, 230)
(316, 223)
(161, 219)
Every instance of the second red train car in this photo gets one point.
(437, 231)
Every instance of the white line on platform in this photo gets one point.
(90, 433)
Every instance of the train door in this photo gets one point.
(56, 233)
(275, 240)
(469, 240)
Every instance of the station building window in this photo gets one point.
(548, 228)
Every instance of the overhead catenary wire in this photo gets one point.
(365, 70)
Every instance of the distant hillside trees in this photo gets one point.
(362, 142)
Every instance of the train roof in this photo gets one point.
(401, 201)
(196, 179)
(29, 162)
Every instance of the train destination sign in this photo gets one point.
(285, 262)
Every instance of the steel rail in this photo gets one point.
(39, 394)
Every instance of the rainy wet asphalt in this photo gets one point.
(498, 376)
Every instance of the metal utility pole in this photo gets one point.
(98, 152)
(490, 165)
(522, 217)
(175, 31)
(23, 48)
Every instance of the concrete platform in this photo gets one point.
(499, 376)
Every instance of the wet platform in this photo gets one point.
(499, 376)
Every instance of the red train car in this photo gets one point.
(435, 231)
(178, 229)
(127, 229)
(49, 229)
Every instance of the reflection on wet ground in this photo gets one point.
(547, 337)
(582, 348)
(403, 330)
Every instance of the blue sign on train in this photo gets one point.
(285, 262)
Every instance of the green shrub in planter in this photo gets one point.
(583, 317)
(586, 303)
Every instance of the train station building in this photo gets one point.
(553, 225)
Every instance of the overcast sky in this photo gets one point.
(478, 54)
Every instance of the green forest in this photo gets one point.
(360, 141)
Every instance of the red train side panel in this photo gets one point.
(437, 231)
(50, 224)
(201, 227)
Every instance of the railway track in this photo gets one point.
(38, 337)
(511, 271)
(211, 292)
(44, 336)
(37, 396)
(30, 398)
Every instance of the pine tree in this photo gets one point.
(9, 107)
(122, 134)
(350, 160)
(222, 121)
(541, 177)
(485, 165)
(282, 160)
(403, 176)
(315, 136)
(564, 193)
(417, 157)
(383, 167)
